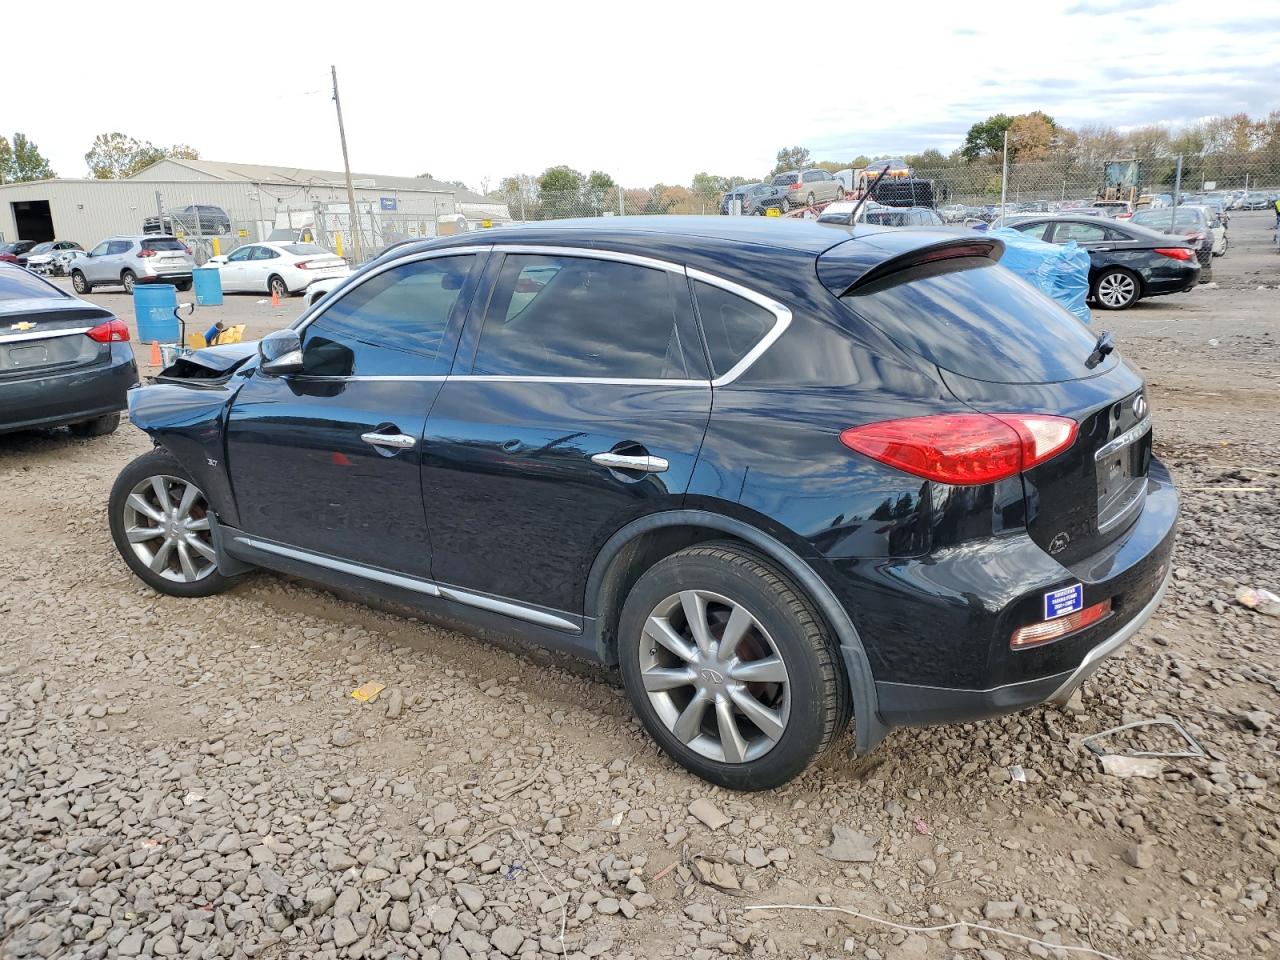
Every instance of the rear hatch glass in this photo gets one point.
(163, 244)
(978, 319)
(785, 179)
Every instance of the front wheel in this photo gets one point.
(1116, 289)
(128, 279)
(161, 524)
(78, 282)
(730, 669)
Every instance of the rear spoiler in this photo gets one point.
(863, 260)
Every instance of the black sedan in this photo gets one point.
(778, 473)
(63, 361)
(1126, 261)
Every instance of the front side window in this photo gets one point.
(100, 249)
(244, 253)
(564, 316)
(392, 324)
(732, 326)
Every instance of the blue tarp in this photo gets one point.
(1060, 271)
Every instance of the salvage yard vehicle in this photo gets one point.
(959, 514)
(1194, 224)
(12, 252)
(50, 256)
(127, 261)
(283, 269)
(63, 361)
(804, 188)
(1127, 261)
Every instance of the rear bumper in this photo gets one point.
(60, 398)
(958, 665)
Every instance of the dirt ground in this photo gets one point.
(193, 778)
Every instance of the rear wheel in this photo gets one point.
(1116, 289)
(129, 279)
(78, 282)
(161, 524)
(277, 286)
(97, 427)
(809, 200)
(183, 285)
(729, 668)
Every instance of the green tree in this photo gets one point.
(599, 192)
(28, 164)
(115, 156)
(6, 161)
(986, 139)
(707, 187)
(790, 158)
(559, 189)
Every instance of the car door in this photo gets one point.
(233, 271)
(578, 403)
(260, 267)
(327, 461)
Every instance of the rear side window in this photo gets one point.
(17, 284)
(1037, 230)
(164, 244)
(119, 246)
(979, 320)
(390, 325)
(731, 325)
(578, 317)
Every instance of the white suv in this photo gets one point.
(126, 261)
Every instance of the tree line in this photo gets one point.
(113, 156)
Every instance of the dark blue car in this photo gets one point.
(778, 474)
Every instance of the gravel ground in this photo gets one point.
(193, 778)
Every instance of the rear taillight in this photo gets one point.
(1059, 627)
(144, 252)
(794, 186)
(305, 265)
(964, 448)
(1176, 253)
(113, 331)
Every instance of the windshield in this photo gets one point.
(43, 247)
(980, 320)
(1161, 218)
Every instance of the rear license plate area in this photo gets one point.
(1122, 476)
(30, 356)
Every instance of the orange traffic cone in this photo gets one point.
(275, 298)
(155, 353)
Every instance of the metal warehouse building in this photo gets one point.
(258, 200)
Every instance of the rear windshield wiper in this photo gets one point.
(1105, 344)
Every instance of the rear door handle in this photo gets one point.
(396, 441)
(645, 463)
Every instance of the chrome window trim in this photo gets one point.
(590, 253)
(782, 312)
(44, 334)
(480, 601)
(390, 378)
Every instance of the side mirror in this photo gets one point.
(280, 353)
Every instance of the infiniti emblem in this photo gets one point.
(712, 676)
(1140, 406)
(1059, 543)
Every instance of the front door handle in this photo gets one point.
(396, 441)
(645, 463)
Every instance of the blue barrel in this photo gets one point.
(208, 286)
(153, 306)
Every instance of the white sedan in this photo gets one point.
(279, 268)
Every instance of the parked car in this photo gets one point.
(804, 188)
(279, 268)
(10, 252)
(50, 256)
(880, 215)
(953, 212)
(1126, 260)
(752, 196)
(1193, 223)
(1119, 209)
(1257, 201)
(959, 515)
(208, 219)
(126, 261)
(63, 361)
(1217, 226)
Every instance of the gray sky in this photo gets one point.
(649, 92)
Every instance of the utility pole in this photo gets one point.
(357, 241)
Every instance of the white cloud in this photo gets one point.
(647, 92)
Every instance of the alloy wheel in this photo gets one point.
(714, 676)
(166, 521)
(1116, 289)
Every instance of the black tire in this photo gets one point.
(97, 427)
(157, 463)
(183, 285)
(786, 205)
(1116, 289)
(817, 688)
(809, 200)
(129, 279)
(79, 284)
(276, 285)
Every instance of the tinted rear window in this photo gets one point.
(979, 320)
(17, 284)
(162, 245)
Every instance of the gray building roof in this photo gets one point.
(264, 173)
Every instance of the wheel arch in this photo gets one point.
(636, 547)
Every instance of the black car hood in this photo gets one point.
(210, 362)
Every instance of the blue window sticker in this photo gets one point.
(1058, 603)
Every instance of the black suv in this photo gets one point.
(777, 473)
